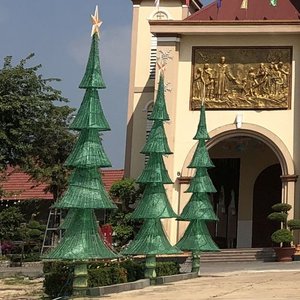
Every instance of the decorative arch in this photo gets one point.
(148, 105)
(251, 130)
(288, 177)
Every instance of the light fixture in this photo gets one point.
(239, 120)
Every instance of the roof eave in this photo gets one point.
(196, 3)
(224, 27)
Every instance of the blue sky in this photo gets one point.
(58, 32)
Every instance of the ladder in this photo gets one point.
(52, 233)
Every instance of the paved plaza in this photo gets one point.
(218, 281)
(247, 285)
(228, 281)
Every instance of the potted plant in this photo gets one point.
(295, 225)
(283, 236)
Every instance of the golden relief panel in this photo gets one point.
(241, 78)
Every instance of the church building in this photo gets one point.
(242, 60)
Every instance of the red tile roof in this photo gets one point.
(111, 176)
(257, 10)
(20, 186)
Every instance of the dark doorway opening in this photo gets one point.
(225, 176)
(267, 192)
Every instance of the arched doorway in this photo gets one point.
(239, 160)
(267, 192)
(251, 150)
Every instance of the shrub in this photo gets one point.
(294, 224)
(106, 276)
(58, 278)
(282, 236)
(10, 221)
(59, 275)
(7, 247)
(135, 270)
(277, 216)
(99, 277)
(282, 207)
(34, 256)
(167, 268)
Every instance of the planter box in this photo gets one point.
(284, 254)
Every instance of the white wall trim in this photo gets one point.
(168, 39)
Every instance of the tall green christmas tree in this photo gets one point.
(81, 241)
(199, 209)
(151, 240)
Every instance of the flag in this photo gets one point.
(244, 4)
(273, 2)
(156, 3)
(219, 3)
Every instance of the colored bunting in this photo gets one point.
(273, 2)
(244, 4)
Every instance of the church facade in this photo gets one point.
(244, 65)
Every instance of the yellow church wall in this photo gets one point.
(140, 104)
(141, 87)
(146, 12)
(180, 130)
(280, 122)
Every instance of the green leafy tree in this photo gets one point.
(33, 129)
(124, 229)
(127, 194)
(10, 224)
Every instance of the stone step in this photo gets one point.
(245, 254)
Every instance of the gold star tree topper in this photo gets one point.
(96, 22)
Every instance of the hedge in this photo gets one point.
(59, 275)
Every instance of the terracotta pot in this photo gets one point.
(284, 254)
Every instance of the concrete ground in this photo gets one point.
(218, 281)
(230, 281)
(236, 285)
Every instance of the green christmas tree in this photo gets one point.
(199, 209)
(151, 240)
(81, 241)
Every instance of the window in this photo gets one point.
(153, 54)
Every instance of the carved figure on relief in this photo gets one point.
(223, 74)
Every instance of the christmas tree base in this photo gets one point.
(80, 282)
(195, 262)
(150, 268)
